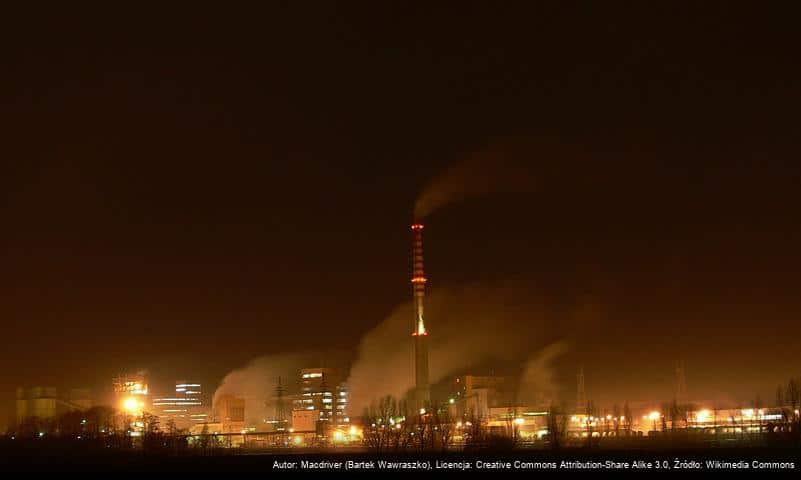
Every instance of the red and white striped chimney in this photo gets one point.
(423, 394)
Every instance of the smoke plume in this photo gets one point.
(256, 382)
(472, 326)
(537, 382)
(508, 165)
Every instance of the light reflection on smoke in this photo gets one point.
(472, 326)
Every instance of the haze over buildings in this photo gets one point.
(601, 186)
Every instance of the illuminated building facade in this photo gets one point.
(476, 395)
(131, 392)
(323, 391)
(229, 412)
(304, 420)
(725, 424)
(131, 384)
(185, 407)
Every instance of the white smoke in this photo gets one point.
(537, 383)
(469, 327)
(509, 165)
(256, 382)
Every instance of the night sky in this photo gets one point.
(184, 190)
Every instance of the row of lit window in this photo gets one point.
(168, 402)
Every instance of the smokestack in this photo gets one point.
(423, 391)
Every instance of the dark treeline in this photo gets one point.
(98, 428)
(390, 425)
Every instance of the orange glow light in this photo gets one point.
(421, 327)
(419, 280)
(417, 226)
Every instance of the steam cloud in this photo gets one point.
(537, 379)
(475, 326)
(257, 381)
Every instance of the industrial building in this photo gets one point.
(229, 412)
(475, 395)
(131, 384)
(323, 390)
(305, 420)
(36, 402)
(45, 403)
(184, 408)
(131, 392)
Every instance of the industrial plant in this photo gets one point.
(400, 236)
(313, 410)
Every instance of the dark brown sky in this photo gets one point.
(184, 190)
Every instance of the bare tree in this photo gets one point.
(666, 413)
(473, 431)
(616, 420)
(100, 422)
(674, 410)
(381, 431)
(150, 424)
(172, 428)
(399, 436)
(779, 396)
(152, 436)
(627, 418)
(511, 426)
(444, 428)
(686, 408)
(557, 426)
(204, 440)
(589, 420)
(793, 397)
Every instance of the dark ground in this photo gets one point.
(65, 460)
